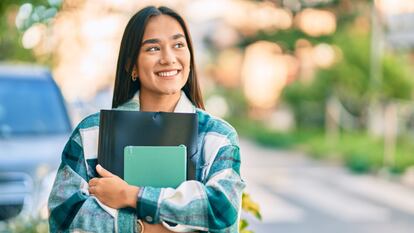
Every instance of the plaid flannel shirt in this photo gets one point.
(211, 203)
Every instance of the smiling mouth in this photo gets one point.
(168, 74)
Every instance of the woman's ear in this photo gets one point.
(135, 70)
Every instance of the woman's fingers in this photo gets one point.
(93, 181)
(92, 190)
(103, 172)
(93, 185)
(113, 192)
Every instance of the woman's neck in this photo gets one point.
(158, 103)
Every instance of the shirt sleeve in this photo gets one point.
(70, 205)
(212, 205)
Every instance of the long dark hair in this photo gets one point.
(125, 88)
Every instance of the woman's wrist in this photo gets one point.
(131, 196)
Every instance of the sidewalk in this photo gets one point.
(298, 194)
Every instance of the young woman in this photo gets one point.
(155, 72)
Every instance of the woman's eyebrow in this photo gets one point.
(177, 36)
(151, 41)
(155, 41)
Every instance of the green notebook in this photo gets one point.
(155, 166)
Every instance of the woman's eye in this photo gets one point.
(179, 45)
(152, 49)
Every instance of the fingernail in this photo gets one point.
(98, 167)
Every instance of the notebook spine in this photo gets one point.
(105, 140)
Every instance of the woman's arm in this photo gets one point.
(212, 205)
(116, 193)
(69, 204)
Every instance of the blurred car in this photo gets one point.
(34, 126)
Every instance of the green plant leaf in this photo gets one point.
(250, 206)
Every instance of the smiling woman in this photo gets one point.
(155, 72)
(156, 43)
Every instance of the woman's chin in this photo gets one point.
(170, 91)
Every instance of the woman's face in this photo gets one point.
(164, 59)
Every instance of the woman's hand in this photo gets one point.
(112, 190)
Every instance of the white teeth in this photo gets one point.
(167, 74)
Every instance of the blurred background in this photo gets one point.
(320, 91)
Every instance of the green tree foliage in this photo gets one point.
(11, 48)
(307, 100)
(350, 80)
(397, 79)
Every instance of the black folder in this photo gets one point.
(119, 128)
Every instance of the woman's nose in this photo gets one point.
(168, 57)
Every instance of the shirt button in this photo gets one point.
(148, 218)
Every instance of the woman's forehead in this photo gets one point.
(162, 26)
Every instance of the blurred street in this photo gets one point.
(298, 194)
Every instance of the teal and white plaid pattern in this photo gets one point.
(211, 203)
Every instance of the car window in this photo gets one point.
(30, 106)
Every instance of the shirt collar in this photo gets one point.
(184, 104)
